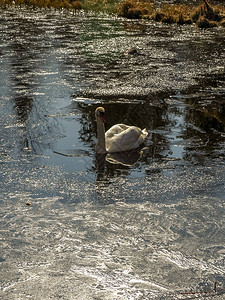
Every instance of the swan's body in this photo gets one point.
(119, 137)
(122, 137)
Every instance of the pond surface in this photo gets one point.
(149, 227)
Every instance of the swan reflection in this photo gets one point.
(125, 158)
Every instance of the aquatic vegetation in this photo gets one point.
(107, 6)
(205, 23)
(57, 4)
(204, 15)
(222, 23)
(179, 14)
(133, 9)
(207, 16)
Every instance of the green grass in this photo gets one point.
(57, 4)
(107, 6)
(204, 15)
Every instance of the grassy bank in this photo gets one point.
(204, 15)
(109, 6)
(57, 4)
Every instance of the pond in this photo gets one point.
(76, 226)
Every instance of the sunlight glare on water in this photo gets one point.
(76, 226)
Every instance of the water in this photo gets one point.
(151, 227)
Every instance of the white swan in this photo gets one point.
(119, 137)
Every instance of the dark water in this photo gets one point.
(96, 230)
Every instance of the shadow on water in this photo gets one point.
(94, 61)
(188, 122)
(134, 225)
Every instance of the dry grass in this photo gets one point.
(174, 14)
(134, 9)
(208, 16)
(57, 4)
(204, 15)
(108, 6)
(203, 22)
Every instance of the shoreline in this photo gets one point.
(203, 15)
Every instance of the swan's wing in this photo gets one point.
(129, 137)
(116, 129)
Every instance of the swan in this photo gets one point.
(119, 137)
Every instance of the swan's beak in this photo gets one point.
(102, 118)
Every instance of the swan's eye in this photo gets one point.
(102, 113)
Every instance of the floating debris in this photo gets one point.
(73, 153)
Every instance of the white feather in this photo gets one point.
(119, 137)
(122, 137)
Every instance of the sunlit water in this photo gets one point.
(96, 230)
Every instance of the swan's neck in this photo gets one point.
(100, 147)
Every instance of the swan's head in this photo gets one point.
(100, 113)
